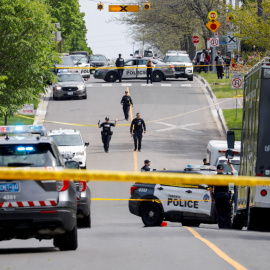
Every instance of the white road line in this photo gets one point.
(166, 84)
(89, 85)
(185, 85)
(126, 84)
(172, 127)
(106, 84)
(145, 84)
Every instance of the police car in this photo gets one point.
(135, 68)
(36, 209)
(181, 62)
(70, 141)
(189, 204)
(82, 61)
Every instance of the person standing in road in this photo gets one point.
(106, 133)
(120, 63)
(137, 127)
(221, 197)
(149, 65)
(126, 102)
(219, 64)
(227, 66)
(146, 167)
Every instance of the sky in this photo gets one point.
(104, 37)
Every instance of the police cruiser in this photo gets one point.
(70, 141)
(189, 204)
(36, 209)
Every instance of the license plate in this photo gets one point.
(10, 187)
(179, 72)
(70, 93)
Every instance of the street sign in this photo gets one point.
(212, 15)
(237, 81)
(123, 8)
(213, 25)
(214, 42)
(231, 42)
(195, 40)
(27, 109)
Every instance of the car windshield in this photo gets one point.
(177, 58)
(67, 140)
(67, 61)
(26, 156)
(69, 77)
(79, 58)
(98, 58)
(227, 169)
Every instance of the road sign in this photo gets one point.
(195, 40)
(27, 109)
(214, 42)
(237, 81)
(123, 8)
(231, 42)
(213, 25)
(212, 15)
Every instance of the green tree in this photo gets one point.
(26, 53)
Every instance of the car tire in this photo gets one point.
(191, 223)
(68, 240)
(157, 76)
(84, 222)
(111, 77)
(190, 78)
(55, 98)
(237, 222)
(85, 96)
(83, 167)
(151, 214)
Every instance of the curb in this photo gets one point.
(42, 107)
(214, 104)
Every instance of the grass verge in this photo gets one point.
(233, 122)
(221, 88)
(16, 120)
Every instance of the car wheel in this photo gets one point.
(157, 76)
(190, 78)
(237, 222)
(191, 223)
(85, 96)
(55, 98)
(151, 214)
(68, 240)
(111, 77)
(84, 222)
(83, 167)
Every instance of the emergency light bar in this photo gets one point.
(224, 152)
(200, 167)
(31, 129)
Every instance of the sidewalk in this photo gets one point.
(230, 103)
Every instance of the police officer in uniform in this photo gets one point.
(106, 133)
(120, 63)
(126, 102)
(221, 197)
(146, 167)
(137, 127)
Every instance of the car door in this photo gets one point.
(129, 70)
(141, 71)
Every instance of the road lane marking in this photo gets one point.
(145, 84)
(126, 84)
(172, 127)
(218, 251)
(185, 85)
(106, 84)
(135, 158)
(164, 84)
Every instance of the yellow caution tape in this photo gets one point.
(237, 96)
(114, 176)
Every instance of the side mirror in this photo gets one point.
(229, 154)
(72, 164)
(230, 139)
(108, 60)
(131, 54)
(78, 63)
(86, 144)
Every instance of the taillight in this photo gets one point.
(259, 174)
(171, 66)
(62, 185)
(82, 186)
(263, 192)
(132, 189)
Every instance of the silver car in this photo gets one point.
(82, 62)
(69, 85)
(135, 68)
(36, 209)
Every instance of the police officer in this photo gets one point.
(126, 102)
(146, 167)
(221, 197)
(106, 133)
(138, 127)
(120, 63)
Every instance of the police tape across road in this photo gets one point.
(173, 179)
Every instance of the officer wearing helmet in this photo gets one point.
(126, 102)
(106, 133)
(146, 167)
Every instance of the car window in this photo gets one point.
(142, 62)
(27, 156)
(67, 61)
(177, 58)
(69, 77)
(98, 58)
(130, 63)
(79, 58)
(68, 140)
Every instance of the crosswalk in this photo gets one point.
(144, 85)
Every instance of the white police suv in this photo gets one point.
(70, 141)
(189, 204)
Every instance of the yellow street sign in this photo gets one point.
(213, 25)
(212, 15)
(123, 8)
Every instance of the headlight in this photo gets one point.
(58, 88)
(81, 87)
(80, 153)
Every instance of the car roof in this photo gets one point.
(82, 55)
(63, 132)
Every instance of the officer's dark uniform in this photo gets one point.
(120, 63)
(139, 127)
(223, 206)
(106, 134)
(149, 72)
(126, 101)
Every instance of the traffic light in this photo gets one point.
(146, 6)
(100, 6)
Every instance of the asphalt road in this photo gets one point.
(179, 125)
